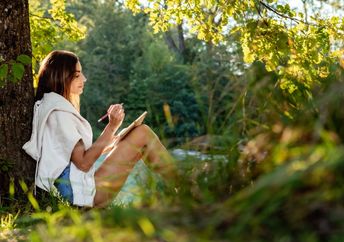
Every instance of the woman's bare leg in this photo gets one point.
(140, 143)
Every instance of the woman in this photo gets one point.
(61, 140)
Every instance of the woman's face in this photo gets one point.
(77, 85)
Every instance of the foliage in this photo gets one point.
(297, 201)
(109, 64)
(185, 97)
(13, 70)
(299, 49)
(132, 66)
(166, 91)
(218, 81)
(50, 24)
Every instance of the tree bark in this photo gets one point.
(16, 99)
(181, 39)
(171, 43)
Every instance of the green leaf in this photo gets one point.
(18, 70)
(26, 60)
(3, 71)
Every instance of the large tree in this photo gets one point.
(16, 93)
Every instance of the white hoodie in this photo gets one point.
(56, 128)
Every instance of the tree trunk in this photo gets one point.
(171, 43)
(181, 39)
(16, 99)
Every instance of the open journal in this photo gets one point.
(134, 124)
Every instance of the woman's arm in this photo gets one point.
(84, 159)
(112, 144)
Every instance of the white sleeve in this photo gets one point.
(65, 132)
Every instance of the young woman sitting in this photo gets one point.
(61, 140)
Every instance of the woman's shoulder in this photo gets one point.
(64, 117)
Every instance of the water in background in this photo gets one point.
(142, 181)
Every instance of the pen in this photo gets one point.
(105, 115)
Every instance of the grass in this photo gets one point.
(300, 200)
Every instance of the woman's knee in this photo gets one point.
(141, 132)
(144, 128)
(148, 132)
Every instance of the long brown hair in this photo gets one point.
(56, 74)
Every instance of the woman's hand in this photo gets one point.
(116, 115)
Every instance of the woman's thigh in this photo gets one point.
(112, 174)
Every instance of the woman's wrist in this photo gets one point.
(111, 127)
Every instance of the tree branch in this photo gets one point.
(181, 39)
(34, 15)
(275, 11)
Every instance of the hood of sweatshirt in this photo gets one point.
(42, 108)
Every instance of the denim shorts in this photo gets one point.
(62, 183)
